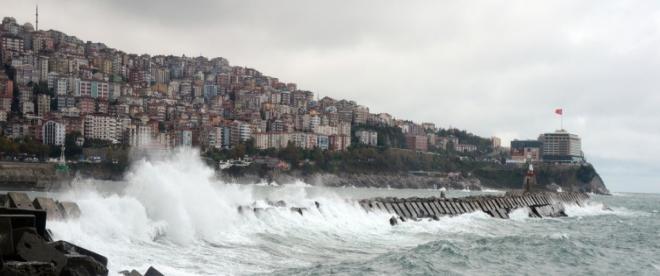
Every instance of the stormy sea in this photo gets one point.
(171, 213)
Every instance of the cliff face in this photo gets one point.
(550, 177)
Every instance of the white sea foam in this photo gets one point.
(519, 214)
(491, 191)
(175, 206)
(173, 213)
(592, 208)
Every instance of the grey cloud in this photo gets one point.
(492, 67)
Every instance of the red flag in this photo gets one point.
(559, 111)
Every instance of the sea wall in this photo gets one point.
(29, 176)
(43, 176)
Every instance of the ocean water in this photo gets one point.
(172, 214)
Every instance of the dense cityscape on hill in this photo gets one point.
(57, 90)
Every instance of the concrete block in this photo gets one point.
(481, 205)
(50, 206)
(83, 265)
(397, 210)
(437, 205)
(16, 268)
(512, 203)
(415, 209)
(388, 207)
(379, 205)
(404, 209)
(70, 209)
(27, 218)
(436, 211)
(422, 209)
(450, 210)
(431, 211)
(502, 213)
(6, 237)
(454, 208)
(466, 206)
(457, 207)
(502, 203)
(19, 200)
(532, 198)
(31, 247)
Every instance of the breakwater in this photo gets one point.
(537, 204)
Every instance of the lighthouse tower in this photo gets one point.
(529, 182)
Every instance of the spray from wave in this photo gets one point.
(172, 212)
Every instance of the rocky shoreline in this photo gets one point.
(411, 181)
(43, 176)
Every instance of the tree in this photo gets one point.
(291, 154)
(238, 151)
(72, 149)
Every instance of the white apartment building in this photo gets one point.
(102, 127)
(53, 133)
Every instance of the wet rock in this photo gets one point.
(15, 268)
(393, 221)
(298, 210)
(153, 272)
(31, 247)
(130, 273)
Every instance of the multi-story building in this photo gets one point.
(61, 86)
(43, 104)
(240, 132)
(86, 105)
(11, 45)
(367, 137)
(522, 150)
(465, 148)
(53, 133)
(417, 142)
(184, 138)
(561, 146)
(102, 127)
(360, 115)
(139, 135)
(6, 86)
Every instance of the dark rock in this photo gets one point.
(81, 265)
(153, 272)
(30, 247)
(298, 210)
(69, 248)
(15, 268)
(393, 221)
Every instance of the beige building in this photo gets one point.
(102, 127)
(561, 146)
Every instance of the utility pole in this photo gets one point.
(36, 27)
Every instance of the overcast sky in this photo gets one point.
(492, 67)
